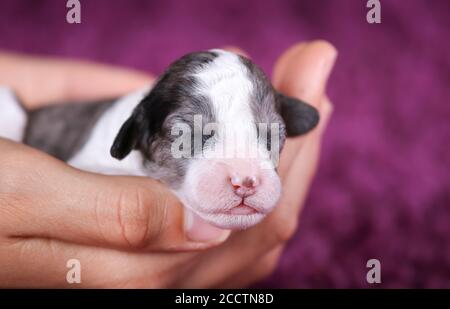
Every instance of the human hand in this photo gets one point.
(125, 230)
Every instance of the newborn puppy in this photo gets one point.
(211, 128)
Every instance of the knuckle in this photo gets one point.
(131, 222)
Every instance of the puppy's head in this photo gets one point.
(212, 129)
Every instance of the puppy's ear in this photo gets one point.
(128, 137)
(144, 124)
(299, 117)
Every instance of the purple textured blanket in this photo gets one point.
(382, 189)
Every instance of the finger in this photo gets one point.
(303, 72)
(283, 62)
(309, 151)
(298, 180)
(66, 80)
(240, 250)
(37, 263)
(254, 272)
(53, 200)
(89, 81)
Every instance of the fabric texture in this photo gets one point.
(382, 189)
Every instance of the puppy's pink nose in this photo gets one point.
(244, 186)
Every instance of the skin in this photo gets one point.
(130, 231)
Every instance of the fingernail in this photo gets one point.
(198, 230)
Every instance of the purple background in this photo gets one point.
(382, 190)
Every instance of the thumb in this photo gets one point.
(140, 212)
(45, 198)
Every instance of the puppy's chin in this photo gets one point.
(230, 212)
(232, 221)
(237, 217)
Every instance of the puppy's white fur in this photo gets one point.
(13, 118)
(94, 155)
(226, 83)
